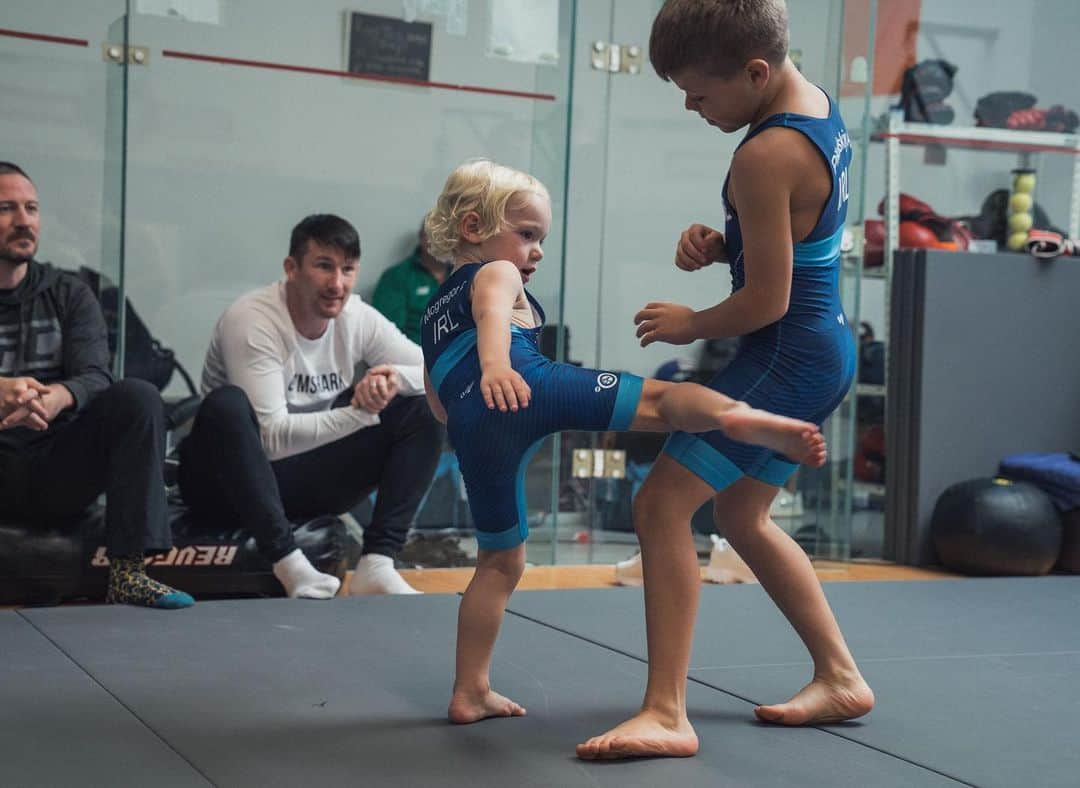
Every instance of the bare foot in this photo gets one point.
(468, 707)
(799, 440)
(643, 736)
(820, 701)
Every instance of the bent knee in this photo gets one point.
(132, 398)
(735, 519)
(655, 508)
(510, 562)
(225, 404)
(227, 397)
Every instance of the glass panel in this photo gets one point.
(63, 124)
(828, 491)
(243, 123)
(678, 167)
(852, 524)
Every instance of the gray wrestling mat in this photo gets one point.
(975, 679)
(60, 727)
(354, 691)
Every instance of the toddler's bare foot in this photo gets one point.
(822, 700)
(643, 736)
(799, 440)
(468, 707)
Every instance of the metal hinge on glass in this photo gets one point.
(132, 55)
(616, 58)
(599, 464)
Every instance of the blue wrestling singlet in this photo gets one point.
(494, 448)
(802, 365)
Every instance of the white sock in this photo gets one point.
(375, 574)
(303, 580)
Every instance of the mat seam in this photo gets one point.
(735, 695)
(112, 695)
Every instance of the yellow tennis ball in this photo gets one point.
(1020, 203)
(1020, 223)
(1024, 183)
(1017, 241)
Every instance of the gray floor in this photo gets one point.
(977, 683)
(975, 679)
(59, 726)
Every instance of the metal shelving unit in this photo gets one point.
(1025, 144)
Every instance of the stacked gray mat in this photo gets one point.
(977, 683)
(982, 364)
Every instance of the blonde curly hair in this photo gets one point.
(478, 185)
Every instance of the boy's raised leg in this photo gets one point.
(479, 618)
(669, 562)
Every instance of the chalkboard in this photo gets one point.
(388, 47)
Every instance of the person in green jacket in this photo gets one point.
(403, 290)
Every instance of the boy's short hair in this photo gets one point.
(717, 36)
(328, 230)
(479, 185)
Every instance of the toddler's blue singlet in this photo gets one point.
(494, 448)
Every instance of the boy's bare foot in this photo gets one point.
(469, 707)
(643, 736)
(822, 700)
(799, 440)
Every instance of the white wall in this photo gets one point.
(1019, 46)
(53, 121)
(224, 160)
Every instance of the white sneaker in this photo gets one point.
(628, 572)
(786, 504)
(725, 565)
(375, 574)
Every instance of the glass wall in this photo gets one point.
(63, 123)
(244, 121)
(642, 170)
(179, 171)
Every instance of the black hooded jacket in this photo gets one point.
(52, 329)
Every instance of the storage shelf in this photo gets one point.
(982, 138)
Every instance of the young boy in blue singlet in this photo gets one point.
(499, 396)
(785, 200)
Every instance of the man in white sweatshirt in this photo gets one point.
(285, 432)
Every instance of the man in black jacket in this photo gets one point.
(67, 431)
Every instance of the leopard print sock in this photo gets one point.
(130, 585)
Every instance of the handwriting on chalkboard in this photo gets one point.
(389, 47)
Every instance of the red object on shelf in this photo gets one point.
(1027, 119)
(920, 228)
(869, 462)
(1056, 119)
(913, 235)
